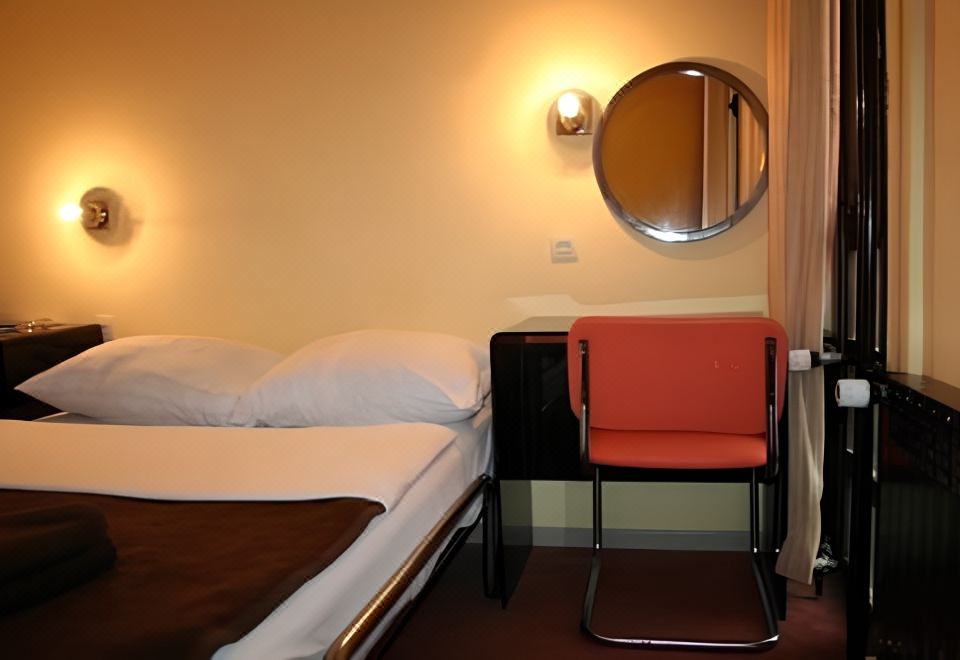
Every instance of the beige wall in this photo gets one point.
(944, 239)
(304, 167)
(925, 166)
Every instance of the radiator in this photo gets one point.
(916, 587)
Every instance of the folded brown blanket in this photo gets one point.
(45, 551)
(32, 588)
(31, 539)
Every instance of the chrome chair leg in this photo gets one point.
(754, 514)
(766, 598)
(597, 511)
(597, 547)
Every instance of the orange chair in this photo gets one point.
(687, 393)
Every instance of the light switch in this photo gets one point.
(562, 250)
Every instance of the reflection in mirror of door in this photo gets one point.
(681, 150)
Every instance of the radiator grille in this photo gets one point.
(917, 579)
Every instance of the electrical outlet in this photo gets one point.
(562, 250)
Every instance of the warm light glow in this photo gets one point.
(70, 212)
(693, 72)
(568, 105)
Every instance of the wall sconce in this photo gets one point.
(575, 110)
(93, 211)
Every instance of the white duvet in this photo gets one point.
(215, 463)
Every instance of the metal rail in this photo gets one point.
(359, 630)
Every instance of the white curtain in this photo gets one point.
(803, 75)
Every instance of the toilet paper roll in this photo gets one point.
(799, 360)
(852, 393)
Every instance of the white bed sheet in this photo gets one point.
(307, 623)
(212, 463)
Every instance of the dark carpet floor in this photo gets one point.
(640, 592)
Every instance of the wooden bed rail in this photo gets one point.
(350, 640)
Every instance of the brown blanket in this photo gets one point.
(38, 537)
(45, 551)
(189, 576)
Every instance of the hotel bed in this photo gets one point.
(261, 495)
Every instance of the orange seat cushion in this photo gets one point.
(684, 450)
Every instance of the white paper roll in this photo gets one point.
(799, 360)
(852, 393)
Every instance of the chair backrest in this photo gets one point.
(703, 374)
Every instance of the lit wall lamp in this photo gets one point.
(93, 211)
(575, 111)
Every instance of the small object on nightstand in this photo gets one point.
(37, 325)
(25, 354)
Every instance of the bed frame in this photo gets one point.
(359, 632)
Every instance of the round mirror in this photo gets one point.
(681, 152)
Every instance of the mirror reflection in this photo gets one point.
(680, 153)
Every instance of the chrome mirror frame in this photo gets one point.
(644, 226)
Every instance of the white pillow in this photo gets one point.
(154, 380)
(371, 377)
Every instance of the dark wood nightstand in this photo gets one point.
(24, 355)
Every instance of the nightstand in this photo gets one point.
(24, 355)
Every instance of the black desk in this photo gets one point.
(24, 355)
(535, 431)
(536, 437)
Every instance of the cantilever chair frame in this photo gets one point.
(770, 472)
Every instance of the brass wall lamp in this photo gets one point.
(94, 210)
(575, 113)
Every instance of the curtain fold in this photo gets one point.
(803, 74)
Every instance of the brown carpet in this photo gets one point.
(714, 590)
